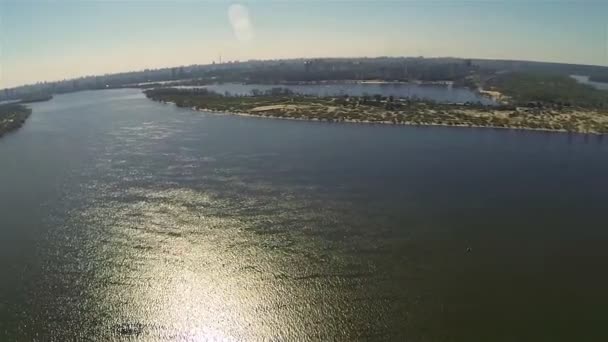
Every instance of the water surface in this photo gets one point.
(585, 80)
(125, 219)
(439, 93)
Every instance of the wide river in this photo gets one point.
(125, 219)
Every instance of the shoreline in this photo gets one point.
(368, 122)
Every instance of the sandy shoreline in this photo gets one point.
(367, 122)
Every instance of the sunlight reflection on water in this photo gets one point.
(136, 221)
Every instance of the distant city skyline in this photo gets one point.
(48, 41)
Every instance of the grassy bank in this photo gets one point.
(377, 109)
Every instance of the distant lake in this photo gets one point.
(125, 219)
(440, 93)
(585, 80)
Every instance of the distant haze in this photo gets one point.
(63, 39)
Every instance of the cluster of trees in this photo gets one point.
(563, 69)
(12, 116)
(36, 97)
(317, 70)
(182, 97)
(12, 108)
(542, 90)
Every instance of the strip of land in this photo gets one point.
(280, 103)
(12, 116)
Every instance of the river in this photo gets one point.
(122, 218)
(585, 80)
(439, 93)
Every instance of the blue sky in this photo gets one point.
(50, 40)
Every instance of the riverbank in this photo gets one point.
(383, 110)
(12, 116)
(36, 98)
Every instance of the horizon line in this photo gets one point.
(294, 58)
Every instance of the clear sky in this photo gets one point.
(51, 40)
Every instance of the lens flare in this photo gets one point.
(239, 18)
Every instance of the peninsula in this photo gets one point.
(282, 103)
(12, 116)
